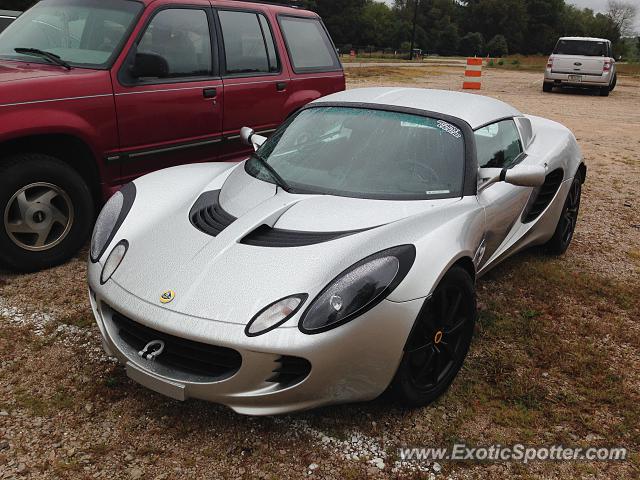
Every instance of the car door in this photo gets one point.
(499, 145)
(256, 81)
(174, 118)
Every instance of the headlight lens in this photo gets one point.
(274, 315)
(110, 219)
(358, 289)
(113, 261)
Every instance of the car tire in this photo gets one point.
(565, 228)
(46, 209)
(547, 87)
(614, 82)
(439, 341)
(604, 91)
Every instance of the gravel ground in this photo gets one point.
(556, 357)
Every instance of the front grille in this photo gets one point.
(290, 371)
(208, 216)
(180, 354)
(265, 236)
(541, 199)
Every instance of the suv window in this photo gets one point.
(498, 145)
(248, 43)
(182, 37)
(309, 45)
(588, 48)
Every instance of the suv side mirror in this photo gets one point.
(149, 65)
(251, 138)
(520, 175)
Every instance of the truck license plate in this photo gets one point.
(575, 78)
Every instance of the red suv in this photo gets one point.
(94, 93)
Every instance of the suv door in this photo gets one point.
(499, 145)
(174, 118)
(256, 85)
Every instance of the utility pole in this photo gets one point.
(413, 34)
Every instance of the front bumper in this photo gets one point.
(567, 79)
(354, 362)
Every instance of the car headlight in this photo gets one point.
(274, 315)
(110, 219)
(358, 289)
(113, 261)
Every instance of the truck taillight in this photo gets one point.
(607, 65)
(549, 63)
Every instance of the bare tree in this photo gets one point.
(622, 14)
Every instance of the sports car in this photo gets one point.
(337, 262)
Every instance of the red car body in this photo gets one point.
(113, 120)
(111, 132)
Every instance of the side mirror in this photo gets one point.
(251, 138)
(149, 65)
(520, 175)
(525, 175)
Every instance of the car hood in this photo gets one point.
(225, 279)
(22, 82)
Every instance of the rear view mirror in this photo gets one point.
(149, 65)
(251, 138)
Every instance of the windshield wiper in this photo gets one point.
(44, 54)
(275, 175)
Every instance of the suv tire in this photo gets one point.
(604, 91)
(46, 210)
(547, 87)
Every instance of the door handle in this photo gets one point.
(210, 93)
(281, 86)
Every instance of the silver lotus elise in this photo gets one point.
(339, 260)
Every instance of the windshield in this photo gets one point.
(581, 47)
(83, 33)
(359, 152)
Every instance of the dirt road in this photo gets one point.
(555, 359)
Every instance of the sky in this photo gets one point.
(595, 5)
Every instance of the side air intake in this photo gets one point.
(541, 198)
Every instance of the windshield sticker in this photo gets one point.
(438, 192)
(447, 127)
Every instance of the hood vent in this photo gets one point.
(265, 236)
(208, 216)
(541, 198)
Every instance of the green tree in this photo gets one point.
(497, 46)
(472, 44)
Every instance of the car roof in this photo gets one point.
(476, 110)
(586, 39)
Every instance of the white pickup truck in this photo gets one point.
(581, 62)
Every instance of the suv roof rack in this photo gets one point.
(265, 2)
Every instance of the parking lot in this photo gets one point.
(555, 360)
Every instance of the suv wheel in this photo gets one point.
(547, 86)
(47, 210)
(604, 91)
(614, 82)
